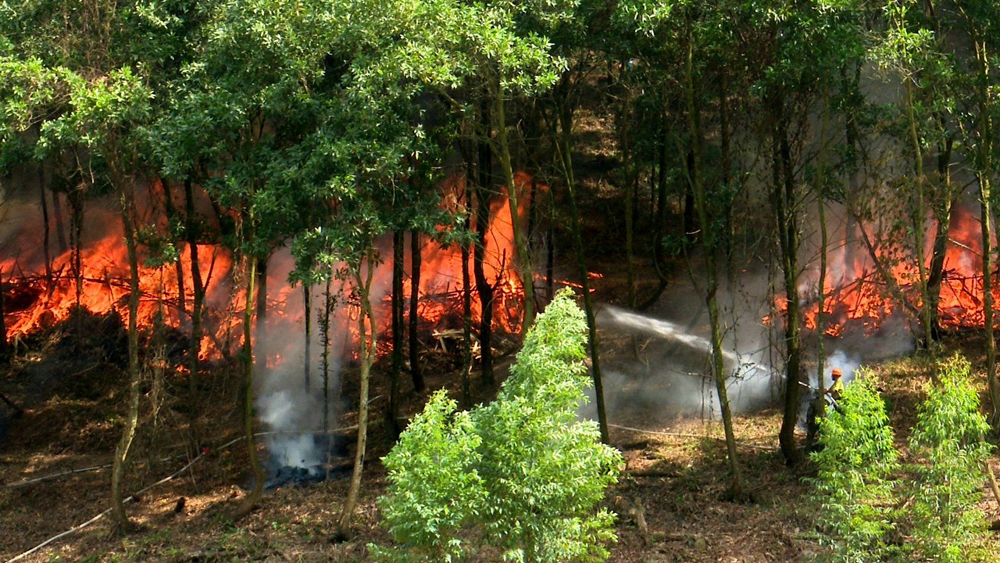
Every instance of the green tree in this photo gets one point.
(949, 438)
(537, 472)
(854, 487)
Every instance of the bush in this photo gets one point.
(522, 474)
(949, 438)
(854, 487)
(857, 490)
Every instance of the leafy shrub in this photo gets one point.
(522, 474)
(946, 524)
(435, 488)
(857, 490)
(854, 487)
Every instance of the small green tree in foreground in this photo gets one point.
(949, 438)
(932, 504)
(522, 474)
(854, 487)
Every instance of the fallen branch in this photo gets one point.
(55, 476)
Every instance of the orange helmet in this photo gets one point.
(836, 373)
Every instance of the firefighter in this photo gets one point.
(836, 390)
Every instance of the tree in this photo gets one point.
(522, 471)
(856, 463)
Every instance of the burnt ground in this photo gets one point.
(671, 498)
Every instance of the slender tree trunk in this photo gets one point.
(564, 145)
(171, 213)
(46, 230)
(630, 191)
(254, 495)
(5, 351)
(198, 298)
(824, 247)
(324, 329)
(483, 287)
(522, 260)
(919, 218)
(76, 233)
(260, 330)
(415, 258)
(783, 199)
(397, 331)
(466, 316)
(57, 214)
(307, 353)
(132, 416)
(697, 191)
(368, 335)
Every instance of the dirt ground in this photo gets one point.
(670, 499)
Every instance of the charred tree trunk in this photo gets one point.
(415, 258)
(260, 330)
(483, 287)
(46, 229)
(397, 331)
(132, 416)
(171, 213)
(324, 330)
(307, 353)
(5, 352)
(76, 233)
(466, 314)
(247, 392)
(57, 215)
(942, 211)
(198, 298)
(368, 335)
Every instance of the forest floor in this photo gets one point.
(670, 499)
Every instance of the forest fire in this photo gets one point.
(858, 296)
(38, 297)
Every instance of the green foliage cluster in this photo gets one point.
(856, 464)
(874, 509)
(521, 474)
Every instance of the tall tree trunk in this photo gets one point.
(697, 191)
(784, 202)
(467, 311)
(307, 352)
(132, 416)
(254, 495)
(824, 247)
(324, 330)
(918, 218)
(564, 146)
(171, 212)
(260, 330)
(397, 331)
(415, 258)
(46, 230)
(76, 233)
(630, 181)
(483, 287)
(522, 258)
(5, 351)
(198, 298)
(57, 215)
(368, 335)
